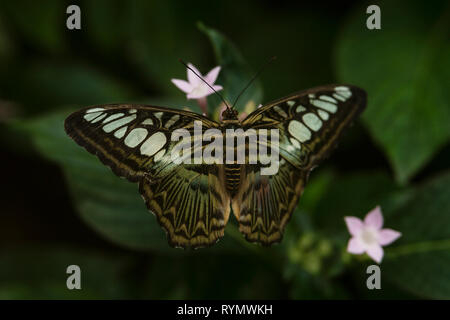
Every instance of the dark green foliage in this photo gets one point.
(128, 52)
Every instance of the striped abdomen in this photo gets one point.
(232, 177)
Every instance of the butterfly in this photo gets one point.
(192, 202)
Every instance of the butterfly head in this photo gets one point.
(230, 114)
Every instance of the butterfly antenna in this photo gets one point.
(254, 77)
(200, 77)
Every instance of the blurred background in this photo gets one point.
(61, 206)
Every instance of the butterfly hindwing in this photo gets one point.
(264, 203)
(190, 203)
(309, 122)
(135, 141)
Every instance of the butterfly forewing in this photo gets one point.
(135, 141)
(309, 123)
(129, 138)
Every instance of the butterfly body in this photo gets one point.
(192, 200)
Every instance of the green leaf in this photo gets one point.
(7, 46)
(153, 45)
(389, 291)
(305, 286)
(186, 277)
(77, 83)
(405, 69)
(235, 73)
(110, 205)
(40, 273)
(39, 85)
(108, 25)
(350, 195)
(418, 262)
(42, 24)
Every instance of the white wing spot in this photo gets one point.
(342, 88)
(312, 121)
(290, 103)
(330, 107)
(132, 111)
(341, 98)
(95, 110)
(299, 131)
(328, 98)
(92, 116)
(171, 121)
(118, 123)
(311, 95)
(148, 121)
(295, 143)
(323, 114)
(135, 137)
(300, 108)
(100, 118)
(158, 115)
(153, 144)
(290, 148)
(345, 94)
(159, 155)
(280, 111)
(120, 133)
(113, 116)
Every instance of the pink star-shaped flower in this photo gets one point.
(195, 88)
(368, 235)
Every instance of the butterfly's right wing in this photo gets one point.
(189, 200)
(309, 124)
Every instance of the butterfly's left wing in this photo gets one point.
(309, 123)
(189, 200)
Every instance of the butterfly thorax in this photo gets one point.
(230, 114)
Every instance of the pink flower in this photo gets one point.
(195, 88)
(367, 235)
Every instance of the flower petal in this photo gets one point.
(198, 94)
(242, 116)
(375, 252)
(203, 104)
(211, 77)
(387, 236)
(182, 85)
(217, 87)
(354, 225)
(355, 246)
(195, 95)
(192, 78)
(222, 109)
(374, 218)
